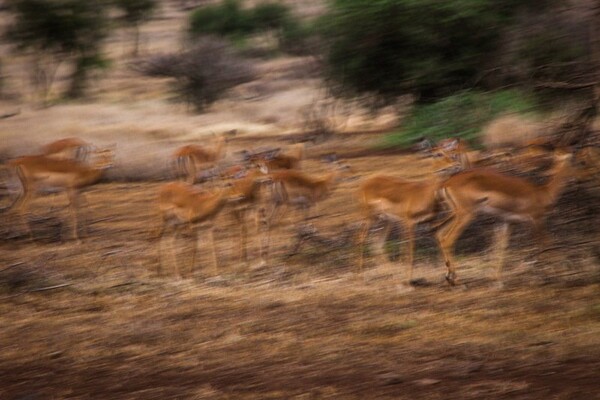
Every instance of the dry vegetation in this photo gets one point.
(95, 321)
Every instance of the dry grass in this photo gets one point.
(303, 327)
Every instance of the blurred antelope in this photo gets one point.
(183, 205)
(397, 200)
(41, 171)
(291, 187)
(190, 159)
(510, 198)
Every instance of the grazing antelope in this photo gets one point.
(35, 172)
(190, 159)
(397, 200)
(68, 149)
(510, 198)
(291, 187)
(181, 203)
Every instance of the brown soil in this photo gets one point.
(305, 326)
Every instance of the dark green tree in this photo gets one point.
(428, 47)
(64, 30)
(135, 12)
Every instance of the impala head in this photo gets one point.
(104, 158)
(443, 164)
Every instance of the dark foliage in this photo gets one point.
(202, 73)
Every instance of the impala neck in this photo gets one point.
(211, 206)
(92, 175)
(219, 147)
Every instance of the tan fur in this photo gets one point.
(292, 186)
(245, 201)
(291, 159)
(488, 191)
(404, 201)
(456, 150)
(187, 206)
(192, 158)
(68, 175)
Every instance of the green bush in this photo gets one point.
(430, 48)
(225, 19)
(267, 16)
(461, 115)
(230, 19)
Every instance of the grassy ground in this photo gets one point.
(307, 326)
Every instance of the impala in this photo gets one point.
(396, 200)
(183, 205)
(35, 172)
(190, 159)
(510, 198)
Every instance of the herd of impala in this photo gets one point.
(71, 164)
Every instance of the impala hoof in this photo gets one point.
(451, 278)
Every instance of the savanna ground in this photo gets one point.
(96, 321)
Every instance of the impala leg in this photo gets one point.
(362, 237)
(160, 227)
(214, 250)
(173, 255)
(241, 218)
(22, 206)
(190, 167)
(72, 194)
(266, 248)
(258, 222)
(447, 237)
(503, 236)
(84, 204)
(381, 254)
(409, 228)
(196, 238)
(161, 245)
(540, 234)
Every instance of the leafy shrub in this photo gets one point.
(461, 115)
(267, 16)
(71, 30)
(225, 19)
(430, 48)
(230, 19)
(203, 73)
